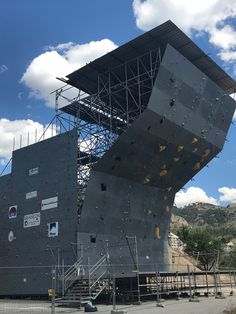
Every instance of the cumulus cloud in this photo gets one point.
(210, 16)
(40, 76)
(3, 68)
(20, 133)
(193, 195)
(228, 194)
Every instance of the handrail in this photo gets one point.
(97, 265)
(71, 274)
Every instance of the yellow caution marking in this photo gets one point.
(158, 235)
(197, 166)
(163, 173)
(180, 148)
(194, 140)
(162, 148)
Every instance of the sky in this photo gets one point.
(44, 39)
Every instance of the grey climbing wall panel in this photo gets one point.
(40, 193)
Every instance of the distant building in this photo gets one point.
(175, 242)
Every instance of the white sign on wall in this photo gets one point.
(33, 171)
(49, 203)
(11, 236)
(12, 212)
(31, 194)
(32, 220)
(53, 229)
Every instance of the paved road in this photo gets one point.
(205, 306)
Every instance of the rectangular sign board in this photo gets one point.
(32, 220)
(49, 203)
(31, 194)
(53, 229)
(33, 171)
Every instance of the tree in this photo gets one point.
(203, 243)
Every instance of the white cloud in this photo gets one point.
(40, 76)
(227, 55)
(3, 68)
(224, 37)
(20, 130)
(228, 194)
(193, 195)
(203, 16)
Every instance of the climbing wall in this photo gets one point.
(131, 189)
(38, 203)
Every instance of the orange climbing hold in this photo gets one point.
(197, 166)
(194, 140)
(161, 148)
(180, 148)
(206, 152)
(146, 180)
(163, 173)
(158, 233)
(176, 159)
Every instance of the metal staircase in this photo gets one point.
(82, 283)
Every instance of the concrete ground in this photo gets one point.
(205, 306)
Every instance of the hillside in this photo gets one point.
(202, 214)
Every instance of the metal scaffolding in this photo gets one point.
(102, 115)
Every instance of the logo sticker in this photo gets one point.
(12, 213)
(53, 229)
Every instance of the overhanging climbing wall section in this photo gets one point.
(132, 187)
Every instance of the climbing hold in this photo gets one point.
(146, 180)
(206, 152)
(197, 166)
(149, 211)
(158, 233)
(163, 173)
(163, 167)
(180, 148)
(194, 140)
(165, 197)
(194, 150)
(176, 159)
(167, 209)
(161, 148)
(169, 189)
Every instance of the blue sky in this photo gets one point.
(44, 39)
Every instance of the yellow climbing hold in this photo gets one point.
(161, 148)
(146, 180)
(197, 166)
(167, 209)
(176, 159)
(169, 189)
(158, 233)
(194, 140)
(149, 211)
(194, 150)
(180, 148)
(163, 173)
(206, 152)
